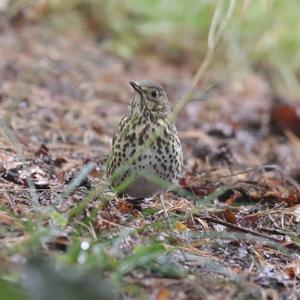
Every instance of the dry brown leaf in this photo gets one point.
(181, 227)
(163, 294)
(285, 118)
(5, 219)
(293, 270)
(230, 216)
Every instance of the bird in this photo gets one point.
(146, 155)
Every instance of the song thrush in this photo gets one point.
(146, 155)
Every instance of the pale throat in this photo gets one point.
(136, 106)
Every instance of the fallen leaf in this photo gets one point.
(5, 219)
(230, 216)
(181, 227)
(163, 294)
(285, 118)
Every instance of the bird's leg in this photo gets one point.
(161, 198)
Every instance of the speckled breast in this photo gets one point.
(146, 156)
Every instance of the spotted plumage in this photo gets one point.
(146, 154)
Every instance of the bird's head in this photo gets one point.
(150, 96)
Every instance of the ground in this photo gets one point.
(232, 229)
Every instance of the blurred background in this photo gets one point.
(64, 72)
(259, 35)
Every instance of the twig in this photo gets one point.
(239, 228)
(214, 37)
(289, 245)
(278, 232)
(161, 198)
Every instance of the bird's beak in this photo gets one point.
(136, 86)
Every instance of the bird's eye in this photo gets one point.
(154, 94)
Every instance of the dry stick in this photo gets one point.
(161, 198)
(239, 228)
(279, 232)
(209, 54)
(215, 35)
(247, 230)
(263, 168)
